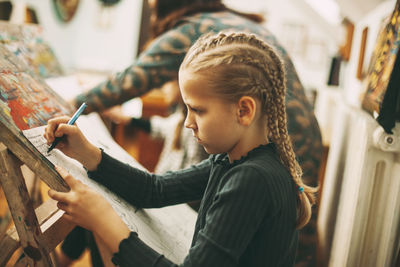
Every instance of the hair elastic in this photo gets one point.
(301, 189)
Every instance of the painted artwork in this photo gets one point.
(381, 96)
(27, 43)
(25, 99)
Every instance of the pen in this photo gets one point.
(70, 122)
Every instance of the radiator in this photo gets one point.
(359, 213)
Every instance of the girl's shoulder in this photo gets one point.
(261, 165)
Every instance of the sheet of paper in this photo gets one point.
(168, 230)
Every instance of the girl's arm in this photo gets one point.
(138, 187)
(232, 221)
(146, 190)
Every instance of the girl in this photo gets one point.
(175, 26)
(253, 197)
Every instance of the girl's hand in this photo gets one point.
(73, 144)
(82, 205)
(85, 207)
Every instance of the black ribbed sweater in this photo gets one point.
(247, 215)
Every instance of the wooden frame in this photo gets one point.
(37, 231)
(360, 68)
(345, 49)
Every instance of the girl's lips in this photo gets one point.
(196, 137)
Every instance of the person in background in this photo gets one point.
(176, 25)
(253, 198)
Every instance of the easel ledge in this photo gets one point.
(16, 142)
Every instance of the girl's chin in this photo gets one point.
(210, 150)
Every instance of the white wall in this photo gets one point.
(356, 9)
(313, 71)
(83, 43)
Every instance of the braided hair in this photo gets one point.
(242, 64)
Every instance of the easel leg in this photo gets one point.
(21, 208)
(8, 246)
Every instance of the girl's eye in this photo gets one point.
(195, 110)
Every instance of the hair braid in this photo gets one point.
(255, 69)
(280, 136)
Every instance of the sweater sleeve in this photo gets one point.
(146, 190)
(228, 231)
(155, 66)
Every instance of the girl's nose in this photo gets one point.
(189, 122)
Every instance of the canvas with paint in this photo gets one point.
(25, 99)
(27, 43)
(382, 97)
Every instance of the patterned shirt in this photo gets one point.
(247, 215)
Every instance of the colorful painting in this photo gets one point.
(25, 99)
(27, 43)
(383, 75)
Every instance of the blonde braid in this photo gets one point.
(266, 80)
(280, 136)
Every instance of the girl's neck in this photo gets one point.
(245, 145)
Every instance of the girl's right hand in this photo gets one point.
(73, 143)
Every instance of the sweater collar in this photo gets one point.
(223, 159)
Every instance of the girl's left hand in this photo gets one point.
(82, 205)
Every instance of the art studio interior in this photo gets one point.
(342, 107)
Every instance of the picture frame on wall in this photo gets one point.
(345, 48)
(361, 73)
(65, 9)
(382, 96)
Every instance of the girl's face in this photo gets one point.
(213, 120)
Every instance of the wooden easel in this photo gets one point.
(37, 231)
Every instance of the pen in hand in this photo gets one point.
(70, 122)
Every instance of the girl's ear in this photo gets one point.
(246, 110)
